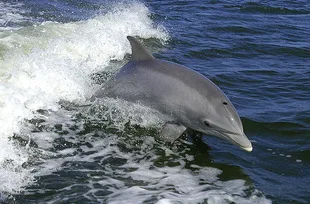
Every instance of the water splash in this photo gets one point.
(43, 64)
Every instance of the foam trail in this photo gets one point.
(43, 64)
(116, 175)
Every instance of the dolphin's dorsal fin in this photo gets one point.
(139, 53)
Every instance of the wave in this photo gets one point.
(250, 50)
(43, 64)
(278, 127)
(254, 7)
(13, 15)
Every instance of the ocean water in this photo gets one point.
(57, 147)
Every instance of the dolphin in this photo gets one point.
(186, 98)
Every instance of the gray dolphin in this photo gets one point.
(183, 96)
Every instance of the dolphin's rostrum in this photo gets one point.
(186, 98)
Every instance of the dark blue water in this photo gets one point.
(257, 52)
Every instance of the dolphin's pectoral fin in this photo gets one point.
(171, 131)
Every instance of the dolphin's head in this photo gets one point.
(221, 119)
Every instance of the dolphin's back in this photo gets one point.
(147, 80)
(165, 86)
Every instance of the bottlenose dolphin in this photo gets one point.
(185, 97)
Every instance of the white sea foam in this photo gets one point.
(41, 65)
(133, 177)
(119, 112)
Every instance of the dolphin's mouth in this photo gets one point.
(237, 139)
(248, 149)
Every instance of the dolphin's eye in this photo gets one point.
(207, 124)
(225, 103)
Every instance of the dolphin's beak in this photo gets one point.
(248, 149)
(238, 139)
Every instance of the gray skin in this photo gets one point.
(186, 98)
